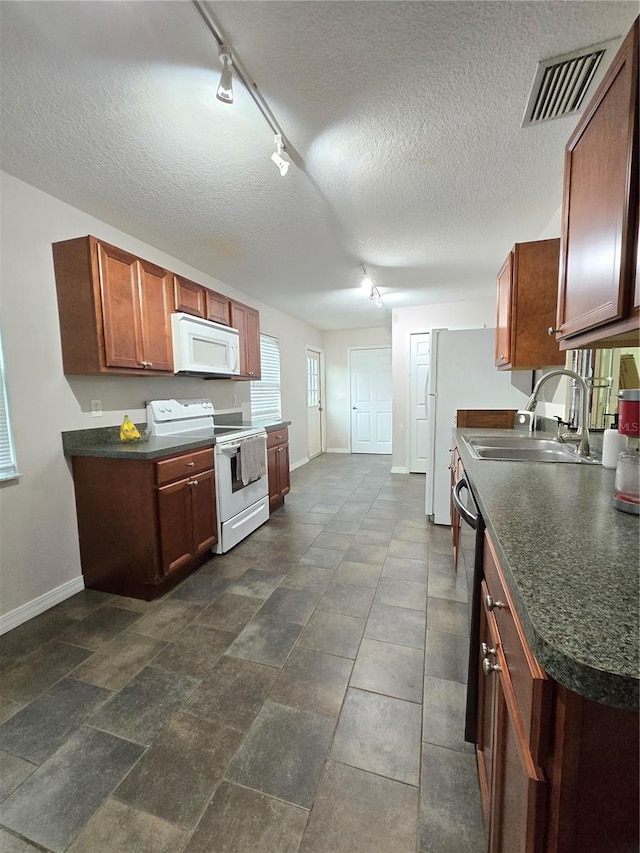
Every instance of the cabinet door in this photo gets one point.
(503, 316)
(155, 313)
(217, 307)
(118, 272)
(600, 203)
(273, 474)
(175, 519)
(518, 788)
(486, 715)
(283, 470)
(189, 297)
(203, 512)
(247, 321)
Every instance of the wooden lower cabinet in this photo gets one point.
(558, 772)
(278, 467)
(144, 524)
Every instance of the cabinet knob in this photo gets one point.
(485, 651)
(501, 356)
(193, 482)
(488, 667)
(552, 331)
(190, 464)
(490, 604)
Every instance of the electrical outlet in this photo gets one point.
(96, 408)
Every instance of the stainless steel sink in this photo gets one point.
(513, 448)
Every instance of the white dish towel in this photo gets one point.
(251, 464)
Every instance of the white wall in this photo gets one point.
(338, 407)
(38, 535)
(407, 321)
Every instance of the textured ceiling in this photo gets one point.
(405, 120)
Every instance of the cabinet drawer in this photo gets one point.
(530, 683)
(183, 465)
(277, 436)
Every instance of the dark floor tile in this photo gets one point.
(446, 656)
(402, 568)
(291, 605)
(206, 585)
(167, 619)
(13, 772)
(53, 804)
(84, 603)
(178, 774)
(97, 629)
(346, 599)
(195, 651)
(452, 587)
(145, 705)
(441, 564)
(8, 708)
(19, 643)
(264, 640)
(450, 813)
(452, 617)
(230, 612)
(320, 519)
(256, 584)
(240, 820)
(357, 574)
(283, 753)
(290, 545)
(358, 812)
(372, 537)
(40, 670)
(35, 732)
(408, 550)
(398, 593)
(407, 533)
(115, 664)
(308, 577)
(380, 734)
(372, 555)
(399, 625)
(336, 525)
(443, 713)
(334, 540)
(234, 692)
(378, 524)
(333, 633)
(389, 669)
(312, 681)
(117, 828)
(322, 558)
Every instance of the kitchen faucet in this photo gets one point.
(583, 411)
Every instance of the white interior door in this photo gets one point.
(314, 404)
(370, 381)
(419, 366)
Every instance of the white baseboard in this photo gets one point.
(298, 464)
(39, 605)
(337, 450)
(399, 470)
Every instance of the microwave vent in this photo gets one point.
(562, 84)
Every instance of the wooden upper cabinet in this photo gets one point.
(247, 321)
(526, 307)
(114, 309)
(598, 261)
(189, 297)
(217, 307)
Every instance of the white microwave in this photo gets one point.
(203, 348)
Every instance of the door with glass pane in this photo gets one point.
(314, 404)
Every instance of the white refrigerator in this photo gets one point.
(461, 375)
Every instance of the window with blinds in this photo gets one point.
(8, 468)
(265, 392)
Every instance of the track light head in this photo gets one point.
(279, 156)
(225, 87)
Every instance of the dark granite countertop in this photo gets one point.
(571, 561)
(105, 441)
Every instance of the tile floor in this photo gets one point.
(282, 699)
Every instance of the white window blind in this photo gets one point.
(265, 392)
(7, 455)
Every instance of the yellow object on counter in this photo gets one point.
(129, 431)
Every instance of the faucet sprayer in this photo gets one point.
(583, 411)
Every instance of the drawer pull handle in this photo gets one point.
(490, 604)
(552, 331)
(488, 667)
(190, 464)
(485, 651)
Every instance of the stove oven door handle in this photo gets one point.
(472, 520)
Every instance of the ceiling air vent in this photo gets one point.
(561, 84)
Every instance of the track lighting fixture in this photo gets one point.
(282, 162)
(369, 287)
(225, 87)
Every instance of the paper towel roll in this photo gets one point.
(613, 443)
